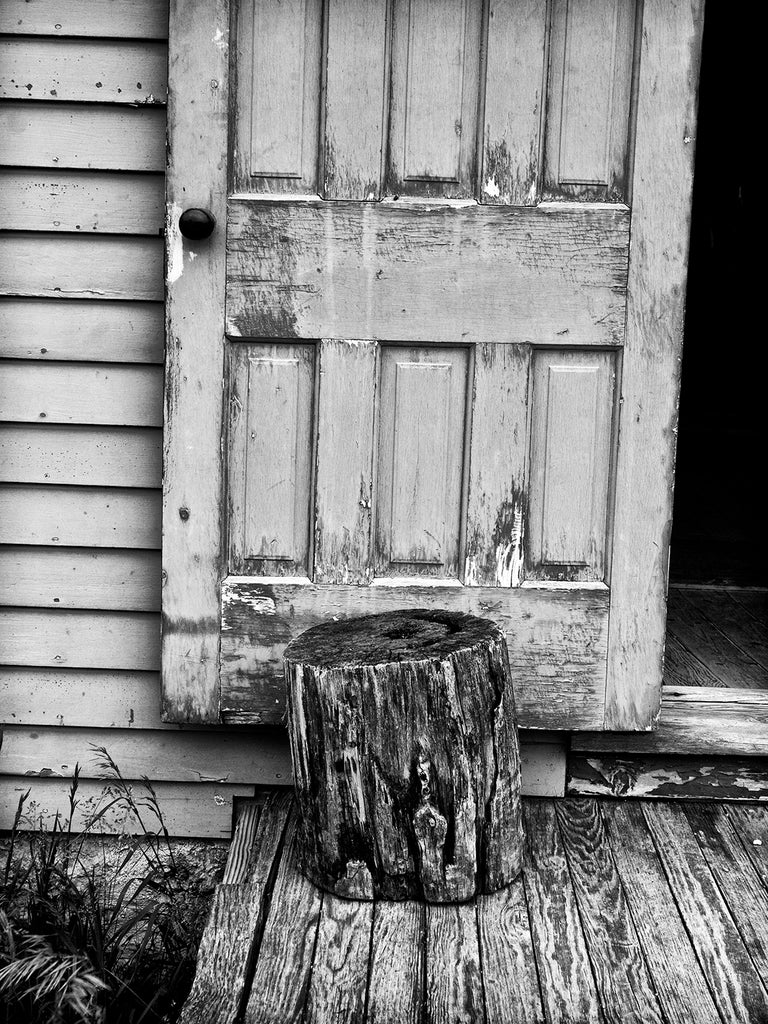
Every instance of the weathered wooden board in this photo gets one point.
(337, 990)
(682, 667)
(565, 976)
(665, 942)
(236, 923)
(510, 979)
(396, 976)
(556, 641)
(667, 776)
(69, 639)
(101, 457)
(514, 91)
(726, 608)
(695, 720)
(92, 330)
(88, 201)
(200, 810)
(733, 980)
(661, 177)
(281, 979)
(37, 577)
(751, 823)
(737, 880)
(454, 986)
(131, 19)
(130, 396)
(82, 135)
(83, 70)
(37, 514)
(193, 500)
(69, 266)
(408, 271)
(621, 975)
(98, 698)
(260, 758)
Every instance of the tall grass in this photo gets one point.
(104, 940)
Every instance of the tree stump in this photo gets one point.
(405, 756)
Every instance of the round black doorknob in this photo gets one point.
(196, 224)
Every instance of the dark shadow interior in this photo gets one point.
(719, 518)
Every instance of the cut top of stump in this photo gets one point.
(419, 634)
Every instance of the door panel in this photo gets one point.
(436, 314)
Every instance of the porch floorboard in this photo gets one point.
(632, 911)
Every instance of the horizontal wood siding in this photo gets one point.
(82, 148)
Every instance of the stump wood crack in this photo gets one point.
(405, 756)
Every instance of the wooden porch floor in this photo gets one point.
(631, 911)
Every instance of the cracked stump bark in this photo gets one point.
(405, 756)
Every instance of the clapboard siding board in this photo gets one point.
(83, 70)
(183, 756)
(92, 330)
(80, 639)
(36, 577)
(190, 809)
(84, 135)
(87, 393)
(79, 516)
(91, 202)
(61, 266)
(92, 456)
(129, 19)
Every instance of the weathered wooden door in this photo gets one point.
(430, 354)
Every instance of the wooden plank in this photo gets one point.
(497, 466)
(396, 977)
(434, 97)
(281, 979)
(270, 448)
(570, 461)
(344, 484)
(514, 92)
(454, 985)
(422, 396)
(131, 19)
(732, 978)
(242, 846)
(510, 981)
(83, 70)
(751, 823)
(79, 516)
(107, 699)
(661, 195)
(276, 116)
(235, 925)
(732, 665)
(88, 394)
(666, 777)
(259, 758)
(87, 201)
(337, 990)
(100, 457)
(402, 271)
(664, 940)
(357, 72)
(745, 632)
(82, 136)
(68, 266)
(625, 988)
(557, 639)
(199, 810)
(565, 976)
(740, 885)
(682, 667)
(588, 130)
(92, 330)
(192, 464)
(80, 578)
(69, 639)
(695, 720)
